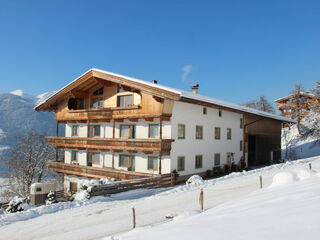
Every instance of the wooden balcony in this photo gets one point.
(94, 172)
(161, 146)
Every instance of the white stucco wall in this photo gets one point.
(192, 115)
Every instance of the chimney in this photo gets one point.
(155, 81)
(195, 88)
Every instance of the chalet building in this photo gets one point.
(118, 126)
(284, 106)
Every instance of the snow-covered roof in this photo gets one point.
(182, 94)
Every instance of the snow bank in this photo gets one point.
(289, 177)
(195, 180)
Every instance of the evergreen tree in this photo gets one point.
(261, 104)
(15, 205)
(51, 198)
(313, 118)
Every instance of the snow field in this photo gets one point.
(103, 216)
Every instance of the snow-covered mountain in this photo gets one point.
(18, 117)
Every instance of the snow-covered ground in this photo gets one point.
(235, 208)
(289, 209)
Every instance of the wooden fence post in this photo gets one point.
(134, 217)
(260, 178)
(310, 166)
(201, 199)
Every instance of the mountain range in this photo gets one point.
(18, 117)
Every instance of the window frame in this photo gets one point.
(155, 159)
(179, 168)
(74, 154)
(93, 155)
(131, 131)
(129, 160)
(73, 132)
(184, 131)
(217, 130)
(204, 111)
(198, 161)
(92, 131)
(215, 160)
(200, 136)
(125, 101)
(158, 132)
(229, 134)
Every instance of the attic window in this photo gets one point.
(98, 92)
(75, 103)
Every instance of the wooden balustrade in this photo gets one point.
(161, 146)
(94, 172)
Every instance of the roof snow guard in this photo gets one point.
(155, 89)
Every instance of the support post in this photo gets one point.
(160, 164)
(260, 179)
(57, 129)
(201, 199)
(113, 159)
(134, 217)
(310, 166)
(113, 129)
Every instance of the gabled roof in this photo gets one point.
(155, 89)
(309, 95)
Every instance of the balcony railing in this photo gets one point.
(94, 172)
(162, 146)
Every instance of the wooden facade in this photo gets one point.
(284, 106)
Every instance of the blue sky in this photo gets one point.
(236, 50)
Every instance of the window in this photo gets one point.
(152, 163)
(198, 161)
(181, 131)
(93, 158)
(125, 101)
(73, 187)
(241, 122)
(125, 161)
(38, 189)
(220, 113)
(96, 98)
(97, 103)
(205, 111)
(217, 159)
(95, 131)
(98, 92)
(74, 156)
(199, 132)
(181, 163)
(127, 131)
(241, 145)
(217, 133)
(75, 131)
(75, 103)
(153, 130)
(229, 133)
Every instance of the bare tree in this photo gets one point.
(27, 163)
(261, 104)
(296, 105)
(313, 118)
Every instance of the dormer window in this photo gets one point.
(125, 101)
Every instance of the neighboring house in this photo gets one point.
(284, 106)
(118, 126)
